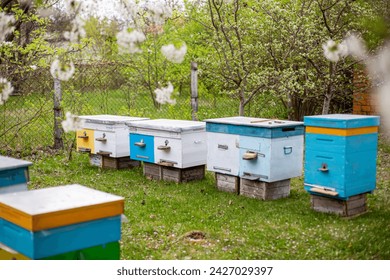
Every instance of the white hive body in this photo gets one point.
(105, 135)
(175, 143)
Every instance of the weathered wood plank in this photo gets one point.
(354, 206)
(227, 183)
(172, 174)
(264, 190)
(112, 163)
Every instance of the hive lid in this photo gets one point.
(110, 119)
(256, 122)
(341, 121)
(7, 163)
(58, 206)
(169, 125)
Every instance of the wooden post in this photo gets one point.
(58, 142)
(194, 90)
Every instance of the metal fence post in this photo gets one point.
(58, 142)
(194, 90)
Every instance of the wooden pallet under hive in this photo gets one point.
(172, 174)
(355, 205)
(264, 190)
(112, 163)
(227, 183)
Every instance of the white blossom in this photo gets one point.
(6, 25)
(356, 47)
(5, 90)
(173, 54)
(334, 51)
(163, 95)
(129, 8)
(33, 67)
(73, 6)
(383, 96)
(62, 71)
(72, 122)
(46, 12)
(77, 32)
(378, 67)
(128, 42)
(158, 11)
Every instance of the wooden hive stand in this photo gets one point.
(227, 183)
(112, 163)
(264, 190)
(353, 206)
(173, 174)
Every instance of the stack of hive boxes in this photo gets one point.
(106, 139)
(340, 162)
(171, 150)
(14, 174)
(65, 222)
(255, 157)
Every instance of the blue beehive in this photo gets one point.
(54, 241)
(51, 221)
(254, 148)
(13, 174)
(340, 154)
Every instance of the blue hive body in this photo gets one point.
(340, 154)
(255, 149)
(50, 242)
(13, 174)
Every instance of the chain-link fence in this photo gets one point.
(27, 118)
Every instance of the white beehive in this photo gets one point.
(175, 143)
(105, 135)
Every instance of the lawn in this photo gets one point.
(196, 221)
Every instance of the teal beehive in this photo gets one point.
(340, 154)
(14, 174)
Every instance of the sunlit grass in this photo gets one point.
(165, 218)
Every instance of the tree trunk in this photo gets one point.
(58, 142)
(194, 90)
(241, 108)
(329, 91)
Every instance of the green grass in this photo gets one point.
(162, 216)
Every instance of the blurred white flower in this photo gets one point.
(128, 42)
(356, 47)
(163, 95)
(72, 122)
(173, 54)
(77, 32)
(158, 11)
(128, 8)
(73, 6)
(46, 12)
(6, 25)
(33, 67)
(62, 71)
(334, 51)
(383, 96)
(5, 90)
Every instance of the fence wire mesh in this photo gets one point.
(27, 118)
